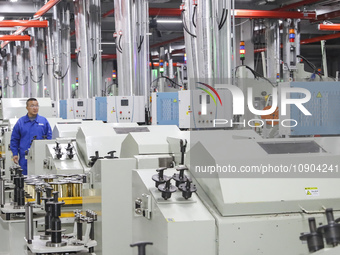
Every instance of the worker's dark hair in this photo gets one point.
(30, 99)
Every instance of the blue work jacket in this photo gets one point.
(23, 134)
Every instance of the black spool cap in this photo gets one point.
(314, 239)
(111, 154)
(180, 177)
(331, 231)
(167, 189)
(160, 178)
(187, 189)
(141, 247)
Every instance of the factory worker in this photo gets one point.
(29, 127)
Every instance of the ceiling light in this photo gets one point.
(13, 1)
(169, 21)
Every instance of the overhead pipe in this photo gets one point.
(329, 27)
(273, 14)
(295, 5)
(26, 23)
(239, 13)
(320, 38)
(37, 15)
(13, 38)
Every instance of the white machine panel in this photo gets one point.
(64, 165)
(79, 108)
(69, 128)
(172, 220)
(235, 193)
(153, 142)
(125, 109)
(104, 138)
(192, 115)
(16, 107)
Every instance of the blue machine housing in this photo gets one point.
(167, 108)
(324, 106)
(63, 109)
(101, 108)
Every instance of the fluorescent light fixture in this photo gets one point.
(169, 21)
(2, 18)
(13, 1)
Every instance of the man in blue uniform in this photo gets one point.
(29, 127)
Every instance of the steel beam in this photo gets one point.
(156, 45)
(327, 16)
(295, 5)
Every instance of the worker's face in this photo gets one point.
(32, 108)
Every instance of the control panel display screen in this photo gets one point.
(80, 103)
(124, 102)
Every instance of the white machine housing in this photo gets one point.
(125, 109)
(78, 108)
(16, 107)
(190, 108)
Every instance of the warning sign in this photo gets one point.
(319, 95)
(312, 191)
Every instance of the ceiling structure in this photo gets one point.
(165, 32)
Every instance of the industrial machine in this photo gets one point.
(120, 109)
(193, 108)
(16, 107)
(76, 108)
(165, 109)
(148, 149)
(54, 240)
(12, 220)
(172, 202)
(323, 106)
(199, 109)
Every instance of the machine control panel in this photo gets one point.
(124, 109)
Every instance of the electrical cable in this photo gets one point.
(7, 85)
(117, 46)
(239, 24)
(60, 77)
(173, 83)
(119, 43)
(106, 89)
(193, 16)
(256, 74)
(73, 95)
(311, 65)
(141, 38)
(185, 25)
(24, 82)
(39, 78)
(222, 22)
(77, 58)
